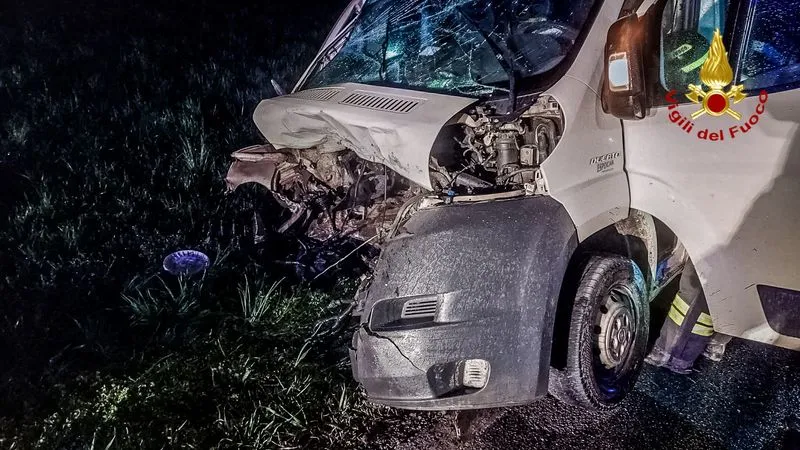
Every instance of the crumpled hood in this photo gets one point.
(391, 126)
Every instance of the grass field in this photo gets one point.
(116, 122)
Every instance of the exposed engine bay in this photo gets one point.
(495, 153)
(329, 191)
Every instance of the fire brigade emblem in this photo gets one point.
(716, 74)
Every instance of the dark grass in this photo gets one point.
(116, 122)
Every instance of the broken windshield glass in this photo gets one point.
(455, 46)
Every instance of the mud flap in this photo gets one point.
(460, 311)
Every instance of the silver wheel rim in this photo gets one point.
(617, 329)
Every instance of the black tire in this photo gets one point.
(610, 301)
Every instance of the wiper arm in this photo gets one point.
(385, 50)
(325, 50)
(503, 55)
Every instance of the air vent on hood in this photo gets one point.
(321, 94)
(419, 308)
(381, 102)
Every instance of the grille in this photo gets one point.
(322, 94)
(417, 309)
(388, 103)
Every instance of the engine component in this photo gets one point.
(496, 152)
(507, 148)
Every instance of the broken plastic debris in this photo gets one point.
(186, 262)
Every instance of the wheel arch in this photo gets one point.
(636, 237)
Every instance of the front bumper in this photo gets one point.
(483, 281)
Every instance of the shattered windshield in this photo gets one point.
(469, 47)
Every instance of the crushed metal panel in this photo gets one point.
(257, 163)
(402, 142)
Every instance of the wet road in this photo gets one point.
(749, 400)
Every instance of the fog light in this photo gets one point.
(474, 373)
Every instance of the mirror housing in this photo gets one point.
(624, 93)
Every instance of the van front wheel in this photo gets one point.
(607, 338)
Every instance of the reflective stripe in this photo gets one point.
(694, 65)
(702, 330)
(705, 319)
(678, 311)
(676, 315)
(681, 304)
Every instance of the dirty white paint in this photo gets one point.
(400, 140)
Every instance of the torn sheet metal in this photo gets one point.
(326, 194)
(257, 163)
(389, 126)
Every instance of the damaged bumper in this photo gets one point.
(461, 308)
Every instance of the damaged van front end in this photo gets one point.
(416, 138)
(460, 300)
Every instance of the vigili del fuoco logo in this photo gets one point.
(716, 74)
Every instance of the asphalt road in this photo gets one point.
(749, 400)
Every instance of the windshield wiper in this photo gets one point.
(503, 55)
(385, 50)
(323, 53)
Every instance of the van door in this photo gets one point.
(728, 182)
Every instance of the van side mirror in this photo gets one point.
(624, 92)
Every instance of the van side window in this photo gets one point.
(687, 27)
(771, 57)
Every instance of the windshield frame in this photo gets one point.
(524, 85)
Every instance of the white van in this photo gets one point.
(534, 173)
